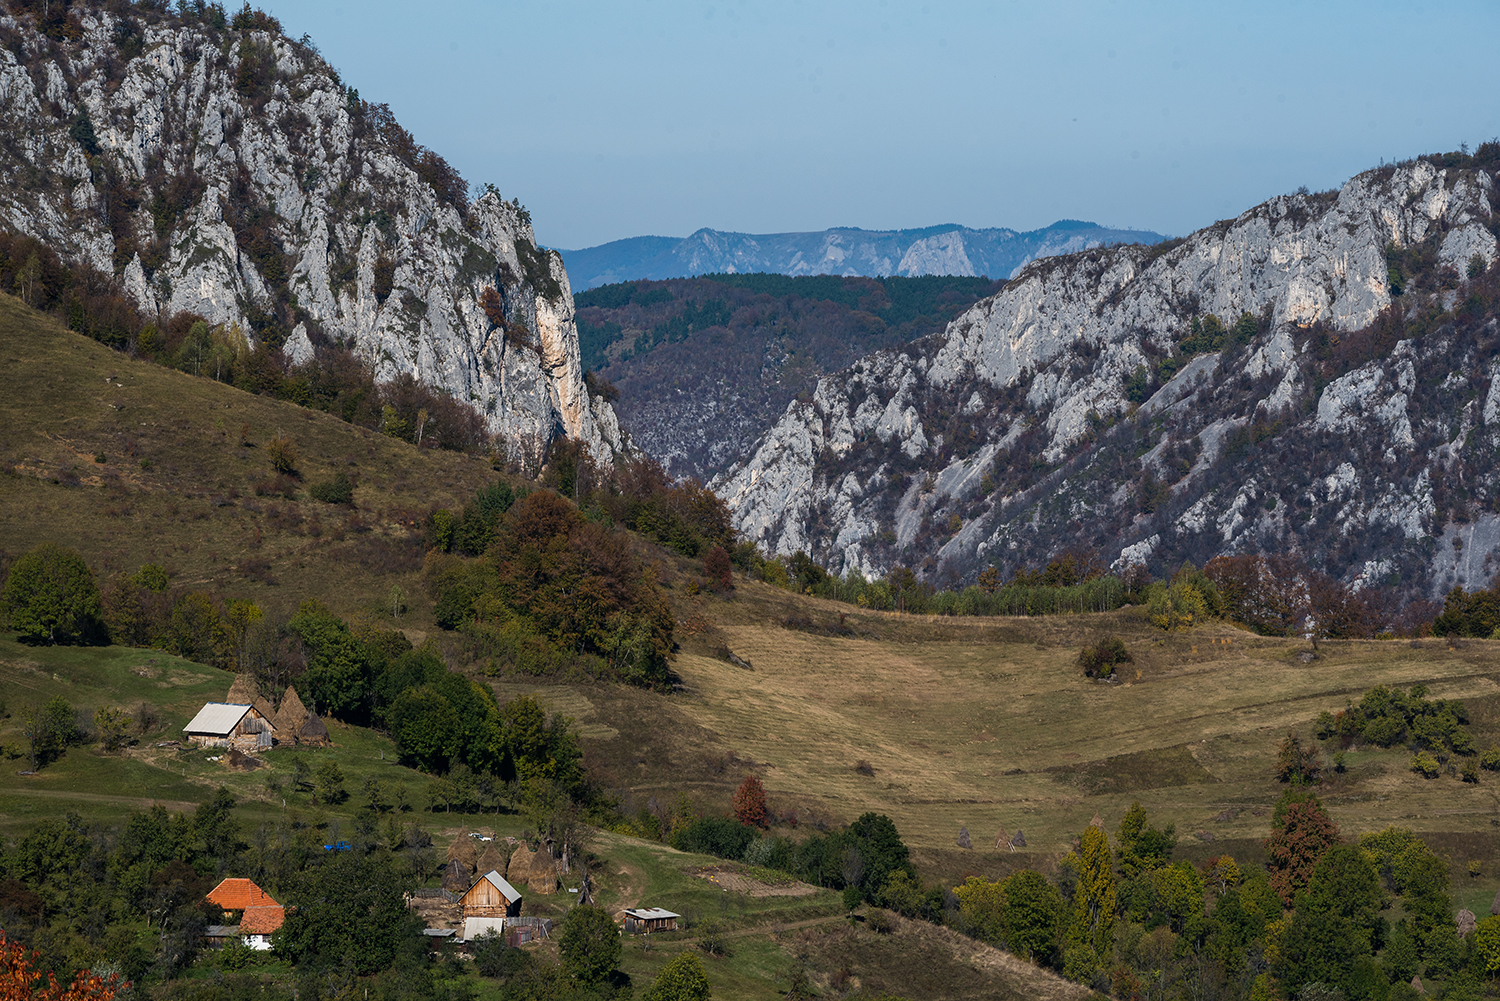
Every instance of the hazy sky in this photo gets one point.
(635, 117)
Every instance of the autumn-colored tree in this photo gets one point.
(1094, 900)
(1303, 832)
(718, 569)
(989, 580)
(20, 981)
(283, 453)
(750, 802)
(494, 309)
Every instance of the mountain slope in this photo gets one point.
(704, 365)
(935, 250)
(1258, 385)
(225, 170)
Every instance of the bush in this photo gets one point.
(1099, 661)
(283, 454)
(1490, 760)
(1425, 764)
(719, 836)
(335, 491)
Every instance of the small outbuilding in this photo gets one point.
(228, 724)
(649, 919)
(491, 897)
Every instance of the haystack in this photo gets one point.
(492, 859)
(243, 691)
(538, 870)
(291, 715)
(963, 837)
(456, 876)
(314, 733)
(463, 850)
(1001, 837)
(1019, 841)
(1495, 904)
(1416, 985)
(1098, 822)
(1464, 922)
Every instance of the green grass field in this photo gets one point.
(981, 724)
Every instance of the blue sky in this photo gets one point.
(636, 117)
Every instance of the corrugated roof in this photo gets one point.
(236, 894)
(262, 920)
(498, 882)
(475, 927)
(217, 718)
(650, 913)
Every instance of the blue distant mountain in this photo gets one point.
(934, 250)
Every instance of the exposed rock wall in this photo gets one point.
(269, 145)
(1013, 435)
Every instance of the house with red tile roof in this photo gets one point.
(259, 914)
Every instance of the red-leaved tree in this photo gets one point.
(750, 802)
(1301, 836)
(19, 981)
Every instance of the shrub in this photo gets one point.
(283, 454)
(1425, 764)
(1099, 661)
(335, 491)
(1490, 760)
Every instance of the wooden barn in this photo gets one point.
(491, 897)
(224, 724)
(649, 919)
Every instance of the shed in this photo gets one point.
(227, 724)
(649, 919)
(218, 936)
(475, 927)
(491, 897)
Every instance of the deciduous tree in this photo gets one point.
(750, 802)
(52, 597)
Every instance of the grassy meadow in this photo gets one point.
(941, 723)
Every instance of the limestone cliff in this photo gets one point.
(1098, 401)
(229, 172)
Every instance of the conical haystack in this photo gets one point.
(464, 850)
(1019, 841)
(456, 877)
(492, 858)
(537, 868)
(291, 715)
(243, 691)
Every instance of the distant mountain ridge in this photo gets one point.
(934, 250)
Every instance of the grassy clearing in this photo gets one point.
(181, 461)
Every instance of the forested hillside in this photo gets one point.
(703, 365)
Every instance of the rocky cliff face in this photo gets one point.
(1098, 402)
(935, 250)
(230, 173)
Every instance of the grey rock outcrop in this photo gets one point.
(237, 178)
(1014, 434)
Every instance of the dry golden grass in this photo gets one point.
(182, 459)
